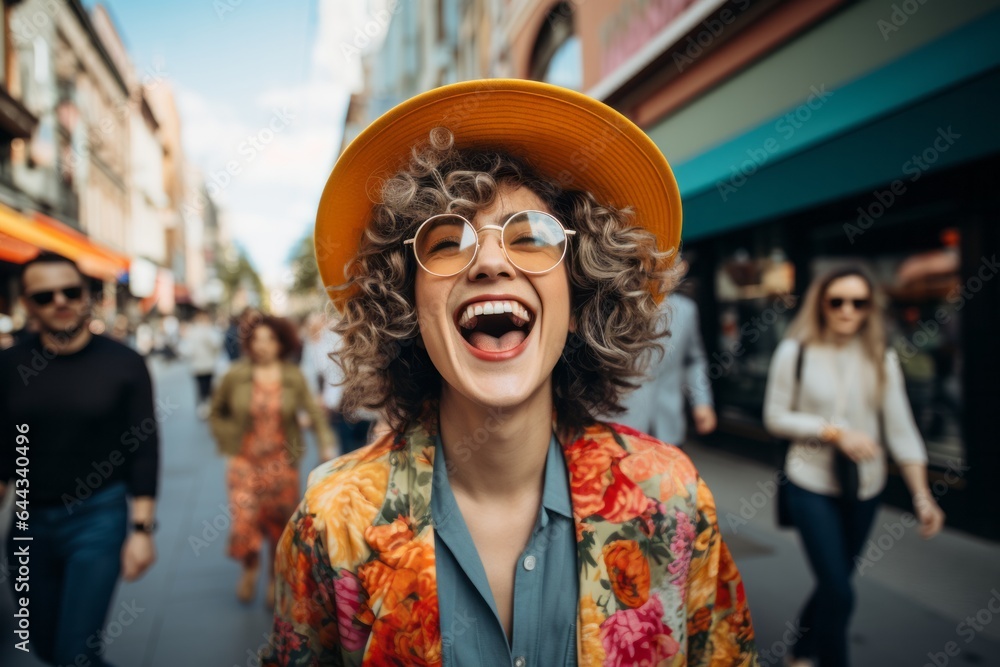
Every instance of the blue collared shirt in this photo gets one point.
(546, 590)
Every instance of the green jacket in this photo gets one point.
(230, 416)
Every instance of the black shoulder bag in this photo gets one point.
(845, 469)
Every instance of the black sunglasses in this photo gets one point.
(859, 304)
(48, 296)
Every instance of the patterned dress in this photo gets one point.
(263, 483)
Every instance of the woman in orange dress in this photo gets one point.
(255, 420)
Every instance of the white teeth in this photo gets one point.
(519, 314)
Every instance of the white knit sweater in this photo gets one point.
(838, 385)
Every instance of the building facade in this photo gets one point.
(803, 134)
(91, 164)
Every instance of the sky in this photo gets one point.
(259, 83)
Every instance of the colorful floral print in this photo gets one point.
(658, 587)
(262, 481)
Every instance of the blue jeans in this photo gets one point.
(832, 537)
(75, 560)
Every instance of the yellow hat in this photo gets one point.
(569, 138)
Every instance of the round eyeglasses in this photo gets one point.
(447, 244)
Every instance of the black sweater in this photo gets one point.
(89, 416)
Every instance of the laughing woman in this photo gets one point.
(501, 292)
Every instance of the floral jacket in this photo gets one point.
(658, 586)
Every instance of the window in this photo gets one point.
(558, 57)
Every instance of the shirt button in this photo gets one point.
(529, 565)
(519, 661)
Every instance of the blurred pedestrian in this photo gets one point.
(657, 406)
(256, 424)
(120, 330)
(144, 338)
(201, 346)
(352, 431)
(494, 304)
(838, 394)
(6, 332)
(78, 408)
(239, 328)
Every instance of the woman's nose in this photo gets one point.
(490, 261)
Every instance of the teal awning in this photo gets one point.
(864, 136)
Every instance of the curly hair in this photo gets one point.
(614, 270)
(284, 332)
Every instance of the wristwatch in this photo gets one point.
(148, 527)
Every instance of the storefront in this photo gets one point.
(895, 170)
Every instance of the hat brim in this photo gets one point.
(574, 140)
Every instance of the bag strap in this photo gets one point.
(798, 375)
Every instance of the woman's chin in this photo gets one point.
(497, 392)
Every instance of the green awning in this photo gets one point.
(934, 108)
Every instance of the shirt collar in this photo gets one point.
(555, 492)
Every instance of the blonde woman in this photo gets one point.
(837, 393)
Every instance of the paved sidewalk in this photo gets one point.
(912, 601)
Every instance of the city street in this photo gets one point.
(914, 597)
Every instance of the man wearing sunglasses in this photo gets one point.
(79, 437)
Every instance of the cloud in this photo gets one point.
(207, 127)
(267, 164)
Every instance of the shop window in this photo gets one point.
(754, 301)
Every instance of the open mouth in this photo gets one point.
(495, 326)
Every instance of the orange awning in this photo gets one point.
(15, 250)
(19, 232)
